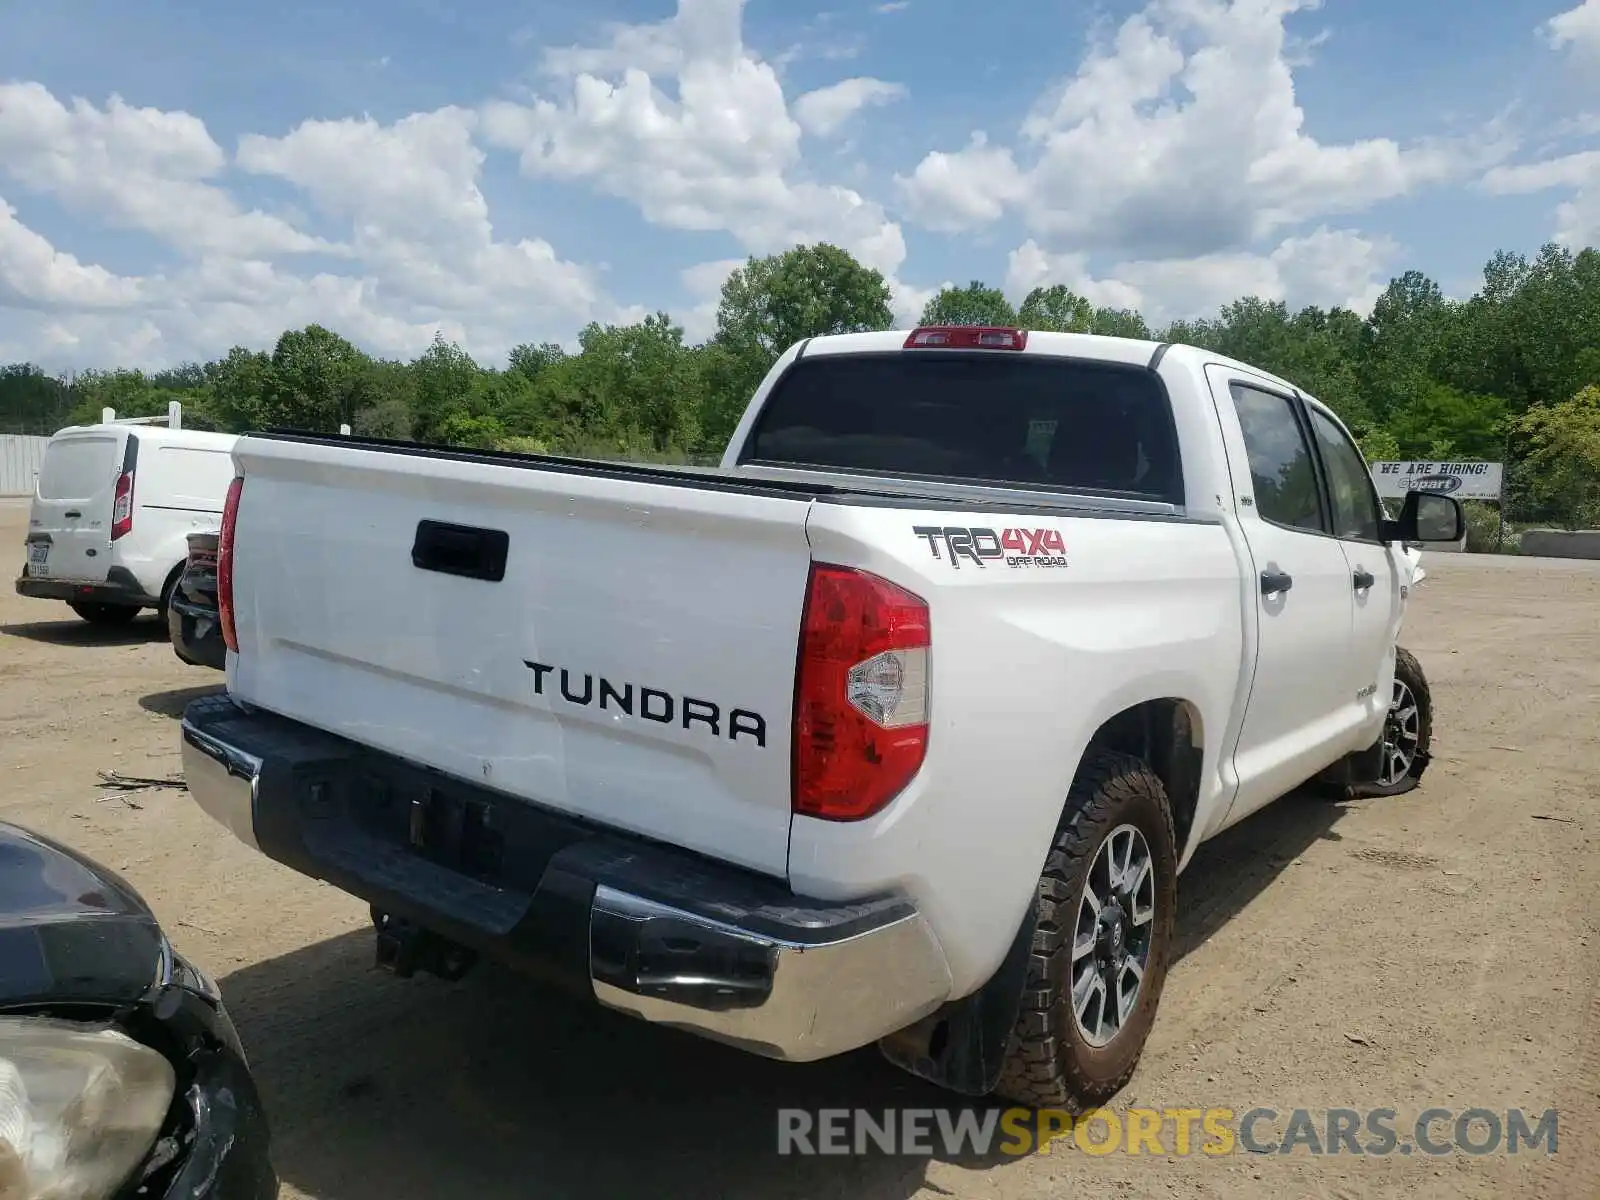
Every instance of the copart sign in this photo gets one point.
(1463, 480)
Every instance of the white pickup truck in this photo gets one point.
(896, 728)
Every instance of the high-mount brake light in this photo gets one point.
(967, 337)
(230, 518)
(861, 696)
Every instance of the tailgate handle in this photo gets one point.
(73, 513)
(463, 550)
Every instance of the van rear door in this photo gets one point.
(69, 529)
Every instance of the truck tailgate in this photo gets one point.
(632, 663)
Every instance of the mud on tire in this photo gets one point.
(1051, 1061)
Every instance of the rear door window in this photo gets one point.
(78, 468)
(1281, 469)
(988, 417)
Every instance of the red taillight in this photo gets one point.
(122, 507)
(230, 516)
(967, 337)
(861, 699)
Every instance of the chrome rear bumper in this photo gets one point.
(666, 937)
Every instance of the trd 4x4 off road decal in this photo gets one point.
(1014, 547)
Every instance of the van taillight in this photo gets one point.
(230, 517)
(122, 507)
(861, 697)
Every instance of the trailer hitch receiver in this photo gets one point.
(404, 948)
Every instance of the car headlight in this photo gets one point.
(80, 1107)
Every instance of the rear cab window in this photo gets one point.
(986, 417)
(79, 467)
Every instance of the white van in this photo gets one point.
(113, 507)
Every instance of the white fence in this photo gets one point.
(20, 459)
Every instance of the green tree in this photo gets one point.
(1406, 342)
(1438, 422)
(185, 377)
(530, 360)
(318, 378)
(975, 304)
(1056, 309)
(1561, 458)
(385, 401)
(444, 375)
(1119, 322)
(631, 389)
(771, 303)
(725, 391)
(31, 401)
(1509, 373)
(244, 389)
(1256, 331)
(127, 392)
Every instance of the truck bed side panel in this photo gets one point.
(1027, 662)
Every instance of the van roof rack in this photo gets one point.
(172, 418)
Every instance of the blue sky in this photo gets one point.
(1178, 154)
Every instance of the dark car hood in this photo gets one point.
(71, 931)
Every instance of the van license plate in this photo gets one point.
(38, 555)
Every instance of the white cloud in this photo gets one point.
(1175, 154)
(1577, 219)
(34, 274)
(907, 300)
(1325, 267)
(420, 254)
(722, 152)
(971, 187)
(136, 168)
(677, 116)
(1577, 28)
(703, 282)
(410, 191)
(824, 111)
(1570, 170)
(1182, 136)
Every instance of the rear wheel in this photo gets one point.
(104, 614)
(1106, 910)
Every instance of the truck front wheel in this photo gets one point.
(1107, 903)
(1407, 731)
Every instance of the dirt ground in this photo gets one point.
(1437, 950)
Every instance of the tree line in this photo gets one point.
(1511, 374)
